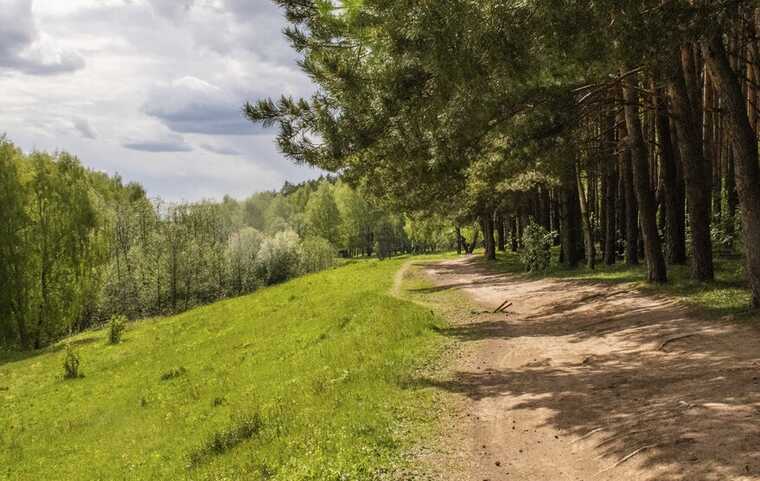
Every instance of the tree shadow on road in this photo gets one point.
(682, 388)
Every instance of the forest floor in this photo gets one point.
(583, 380)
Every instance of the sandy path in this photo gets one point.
(586, 382)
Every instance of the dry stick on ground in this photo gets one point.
(615, 437)
(627, 457)
(503, 305)
(588, 434)
(675, 338)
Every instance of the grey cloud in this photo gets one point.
(220, 150)
(172, 9)
(166, 145)
(24, 49)
(190, 105)
(85, 129)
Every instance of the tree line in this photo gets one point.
(629, 127)
(78, 247)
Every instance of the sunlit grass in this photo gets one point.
(302, 381)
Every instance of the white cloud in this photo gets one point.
(152, 89)
(220, 150)
(25, 49)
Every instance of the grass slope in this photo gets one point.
(302, 381)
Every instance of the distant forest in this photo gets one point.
(79, 246)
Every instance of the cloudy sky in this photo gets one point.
(151, 89)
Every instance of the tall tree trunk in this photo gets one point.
(490, 242)
(588, 234)
(459, 240)
(708, 139)
(656, 270)
(672, 186)
(568, 219)
(610, 210)
(629, 197)
(513, 233)
(500, 238)
(744, 141)
(696, 175)
(544, 205)
(732, 198)
(470, 248)
(486, 221)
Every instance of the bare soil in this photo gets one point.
(583, 381)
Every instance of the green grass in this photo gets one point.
(728, 295)
(302, 381)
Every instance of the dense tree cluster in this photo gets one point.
(78, 247)
(627, 126)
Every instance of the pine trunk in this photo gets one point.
(744, 142)
(672, 187)
(500, 237)
(696, 175)
(656, 269)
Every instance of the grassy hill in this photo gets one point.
(302, 381)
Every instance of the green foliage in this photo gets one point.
(322, 216)
(536, 255)
(116, 327)
(49, 247)
(429, 233)
(278, 257)
(261, 353)
(316, 254)
(78, 247)
(242, 251)
(14, 255)
(390, 237)
(71, 363)
(726, 232)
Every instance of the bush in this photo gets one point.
(536, 255)
(243, 428)
(116, 327)
(71, 363)
(317, 254)
(173, 373)
(278, 257)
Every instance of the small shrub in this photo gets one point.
(536, 255)
(116, 327)
(71, 363)
(242, 429)
(173, 373)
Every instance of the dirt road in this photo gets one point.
(582, 381)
